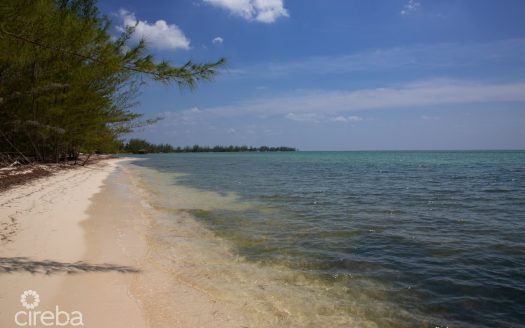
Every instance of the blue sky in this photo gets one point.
(338, 75)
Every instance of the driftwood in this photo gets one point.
(87, 159)
(15, 163)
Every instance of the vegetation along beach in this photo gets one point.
(262, 163)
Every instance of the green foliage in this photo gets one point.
(140, 146)
(66, 86)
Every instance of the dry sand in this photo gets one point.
(80, 240)
(51, 243)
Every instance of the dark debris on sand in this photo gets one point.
(10, 177)
(24, 264)
(19, 175)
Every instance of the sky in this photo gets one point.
(336, 75)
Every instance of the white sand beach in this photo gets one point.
(78, 238)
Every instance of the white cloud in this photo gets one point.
(410, 7)
(304, 117)
(217, 40)
(265, 11)
(160, 34)
(305, 104)
(337, 106)
(188, 116)
(321, 117)
(428, 118)
(346, 119)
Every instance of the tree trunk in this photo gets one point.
(87, 159)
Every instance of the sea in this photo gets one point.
(346, 239)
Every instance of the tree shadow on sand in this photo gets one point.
(24, 264)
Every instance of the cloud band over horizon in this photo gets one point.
(410, 95)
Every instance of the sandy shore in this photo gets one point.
(55, 243)
(80, 240)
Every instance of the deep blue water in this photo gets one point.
(441, 235)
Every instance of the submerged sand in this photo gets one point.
(80, 239)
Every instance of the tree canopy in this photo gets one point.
(140, 146)
(67, 85)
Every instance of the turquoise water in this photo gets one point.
(399, 239)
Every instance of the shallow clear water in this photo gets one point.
(400, 239)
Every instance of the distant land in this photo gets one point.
(141, 146)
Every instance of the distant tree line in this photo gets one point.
(67, 85)
(140, 146)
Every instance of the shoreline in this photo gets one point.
(60, 246)
(80, 239)
(166, 298)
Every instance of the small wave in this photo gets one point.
(497, 190)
